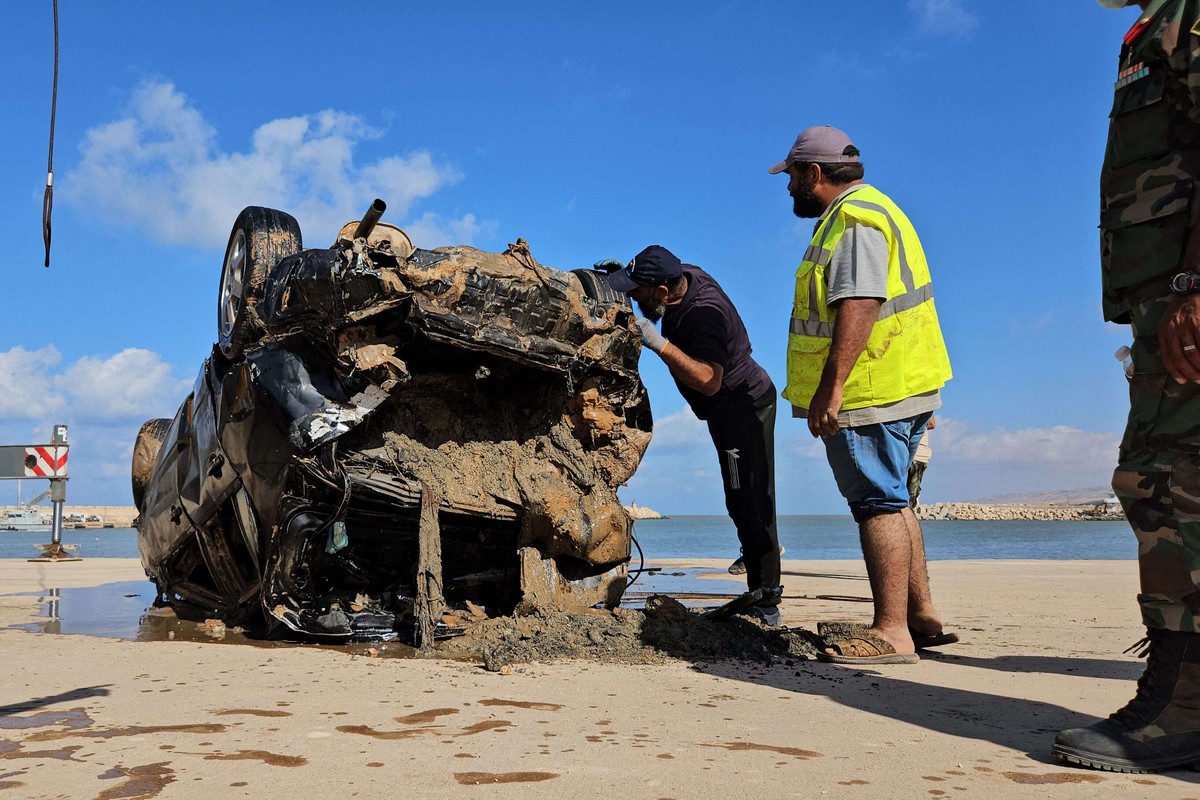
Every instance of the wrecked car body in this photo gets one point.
(382, 432)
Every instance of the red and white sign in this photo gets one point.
(48, 462)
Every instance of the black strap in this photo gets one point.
(48, 197)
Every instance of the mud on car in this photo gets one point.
(383, 431)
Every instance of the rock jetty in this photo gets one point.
(1021, 511)
(641, 512)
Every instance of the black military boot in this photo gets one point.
(1160, 727)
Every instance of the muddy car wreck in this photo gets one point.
(382, 432)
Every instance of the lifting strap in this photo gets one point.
(48, 197)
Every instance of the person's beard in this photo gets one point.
(805, 203)
(651, 310)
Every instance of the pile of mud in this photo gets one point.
(665, 630)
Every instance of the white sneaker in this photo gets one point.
(769, 615)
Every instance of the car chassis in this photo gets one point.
(383, 432)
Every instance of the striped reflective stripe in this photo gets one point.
(829, 219)
(816, 251)
(908, 300)
(899, 303)
(818, 255)
(814, 314)
(812, 327)
(906, 276)
(731, 457)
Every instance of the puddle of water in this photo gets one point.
(477, 778)
(144, 781)
(423, 717)
(70, 719)
(669, 579)
(111, 610)
(270, 759)
(125, 610)
(521, 704)
(795, 752)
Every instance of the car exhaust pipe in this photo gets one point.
(370, 219)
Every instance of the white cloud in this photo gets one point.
(969, 464)
(681, 429)
(27, 390)
(957, 442)
(102, 399)
(159, 169)
(944, 17)
(434, 230)
(130, 385)
(804, 445)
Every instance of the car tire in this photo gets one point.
(595, 286)
(260, 238)
(145, 454)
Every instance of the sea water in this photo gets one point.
(836, 537)
(804, 537)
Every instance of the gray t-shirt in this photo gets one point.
(858, 267)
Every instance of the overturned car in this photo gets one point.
(382, 432)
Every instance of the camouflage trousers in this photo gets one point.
(1157, 481)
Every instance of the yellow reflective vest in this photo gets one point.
(905, 354)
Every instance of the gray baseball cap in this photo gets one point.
(823, 144)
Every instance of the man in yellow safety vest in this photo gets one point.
(865, 365)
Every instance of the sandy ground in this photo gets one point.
(83, 716)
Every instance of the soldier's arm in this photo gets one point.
(1179, 337)
(1179, 329)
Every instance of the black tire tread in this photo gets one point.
(145, 453)
(271, 236)
(595, 286)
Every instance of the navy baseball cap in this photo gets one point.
(654, 266)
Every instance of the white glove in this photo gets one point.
(650, 335)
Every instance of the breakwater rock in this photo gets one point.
(641, 512)
(1021, 511)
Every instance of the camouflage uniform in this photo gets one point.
(1147, 213)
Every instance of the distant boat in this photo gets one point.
(23, 519)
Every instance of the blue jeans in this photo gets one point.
(870, 464)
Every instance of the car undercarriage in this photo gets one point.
(383, 433)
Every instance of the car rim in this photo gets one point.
(232, 285)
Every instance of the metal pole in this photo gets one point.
(56, 525)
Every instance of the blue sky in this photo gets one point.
(592, 131)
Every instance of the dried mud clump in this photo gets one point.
(665, 630)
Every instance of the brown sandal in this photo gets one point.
(865, 649)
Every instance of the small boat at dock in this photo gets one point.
(24, 519)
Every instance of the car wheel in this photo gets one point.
(260, 238)
(595, 286)
(145, 453)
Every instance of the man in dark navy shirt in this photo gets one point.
(705, 346)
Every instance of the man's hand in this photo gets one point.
(1179, 338)
(608, 265)
(650, 335)
(823, 409)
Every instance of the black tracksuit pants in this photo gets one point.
(745, 442)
